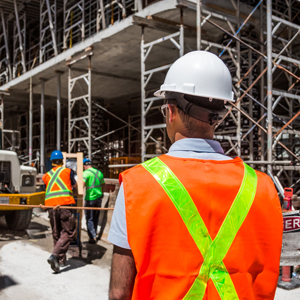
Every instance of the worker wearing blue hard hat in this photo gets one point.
(56, 155)
(60, 182)
(86, 161)
(94, 184)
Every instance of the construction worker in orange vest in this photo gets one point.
(60, 183)
(195, 223)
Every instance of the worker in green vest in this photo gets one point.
(94, 184)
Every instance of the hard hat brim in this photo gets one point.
(161, 94)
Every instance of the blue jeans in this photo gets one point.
(92, 217)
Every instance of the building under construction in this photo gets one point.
(80, 75)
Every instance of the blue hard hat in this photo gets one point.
(86, 161)
(56, 154)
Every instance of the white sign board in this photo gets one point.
(290, 253)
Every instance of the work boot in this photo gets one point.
(63, 262)
(53, 262)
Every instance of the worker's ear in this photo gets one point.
(172, 113)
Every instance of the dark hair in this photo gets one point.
(57, 161)
(191, 124)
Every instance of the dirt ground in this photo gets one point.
(25, 273)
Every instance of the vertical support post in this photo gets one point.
(6, 44)
(290, 80)
(30, 122)
(69, 110)
(42, 138)
(143, 120)
(129, 136)
(52, 29)
(262, 84)
(101, 6)
(198, 24)
(90, 108)
(269, 83)
(65, 26)
(251, 140)
(58, 114)
(20, 35)
(181, 36)
(238, 74)
(83, 22)
(1, 122)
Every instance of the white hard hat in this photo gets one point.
(199, 73)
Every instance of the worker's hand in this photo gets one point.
(56, 207)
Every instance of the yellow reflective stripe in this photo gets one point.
(182, 201)
(54, 178)
(213, 252)
(53, 175)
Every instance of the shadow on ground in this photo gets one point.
(6, 281)
(89, 252)
(35, 231)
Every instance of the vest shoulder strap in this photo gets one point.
(215, 250)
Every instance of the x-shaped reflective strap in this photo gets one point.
(94, 182)
(54, 178)
(213, 251)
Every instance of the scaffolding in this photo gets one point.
(83, 83)
(149, 135)
(258, 40)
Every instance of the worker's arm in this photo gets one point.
(73, 180)
(123, 274)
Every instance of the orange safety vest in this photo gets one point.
(167, 258)
(58, 187)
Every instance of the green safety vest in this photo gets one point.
(93, 185)
(213, 251)
(55, 179)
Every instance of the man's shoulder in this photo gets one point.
(134, 170)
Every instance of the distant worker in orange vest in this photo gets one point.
(195, 223)
(60, 183)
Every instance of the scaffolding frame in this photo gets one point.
(86, 98)
(48, 24)
(5, 64)
(147, 102)
(69, 27)
(19, 42)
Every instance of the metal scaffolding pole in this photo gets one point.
(199, 24)
(42, 139)
(147, 102)
(1, 121)
(80, 108)
(48, 26)
(143, 96)
(22, 50)
(262, 84)
(90, 107)
(7, 55)
(238, 74)
(58, 113)
(269, 84)
(30, 122)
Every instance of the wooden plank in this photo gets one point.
(79, 159)
(79, 202)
